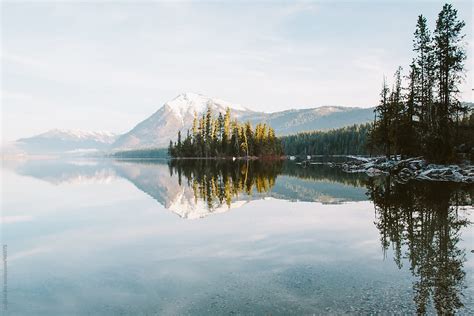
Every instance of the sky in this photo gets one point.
(107, 65)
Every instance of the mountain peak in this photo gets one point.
(190, 102)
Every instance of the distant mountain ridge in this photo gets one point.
(177, 115)
(320, 118)
(58, 141)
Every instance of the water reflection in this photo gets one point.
(198, 188)
(420, 222)
(425, 219)
(219, 182)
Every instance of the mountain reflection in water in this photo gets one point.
(420, 221)
(198, 188)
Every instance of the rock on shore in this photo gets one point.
(413, 168)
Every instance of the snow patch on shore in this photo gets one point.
(413, 168)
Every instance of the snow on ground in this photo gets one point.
(413, 168)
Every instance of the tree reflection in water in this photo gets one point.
(425, 218)
(218, 181)
(422, 221)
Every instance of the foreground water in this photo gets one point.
(111, 237)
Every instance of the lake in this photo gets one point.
(110, 237)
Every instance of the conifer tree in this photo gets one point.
(449, 64)
(381, 134)
(396, 111)
(226, 133)
(424, 69)
(220, 129)
(410, 125)
(178, 144)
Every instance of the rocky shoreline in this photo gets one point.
(408, 169)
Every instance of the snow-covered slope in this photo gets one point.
(186, 104)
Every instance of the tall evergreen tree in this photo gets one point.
(449, 64)
(396, 112)
(410, 122)
(424, 69)
(178, 144)
(381, 133)
(226, 133)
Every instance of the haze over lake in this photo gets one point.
(137, 237)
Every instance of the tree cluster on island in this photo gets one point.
(426, 117)
(225, 137)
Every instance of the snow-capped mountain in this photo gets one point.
(174, 115)
(59, 141)
(177, 115)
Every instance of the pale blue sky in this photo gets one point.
(107, 65)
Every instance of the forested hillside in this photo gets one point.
(349, 140)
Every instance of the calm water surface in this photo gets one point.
(105, 237)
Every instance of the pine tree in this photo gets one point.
(171, 151)
(244, 147)
(235, 141)
(226, 133)
(409, 132)
(179, 145)
(220, 131)
(382, 126)
(424, 69)
(208, 124)
(449, 64)
(250, 139)
(396, 112)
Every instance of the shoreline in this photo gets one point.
(416, 168)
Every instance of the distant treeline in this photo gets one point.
(425, 116)
(223, 137)
(142, 153)
(351, 140)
